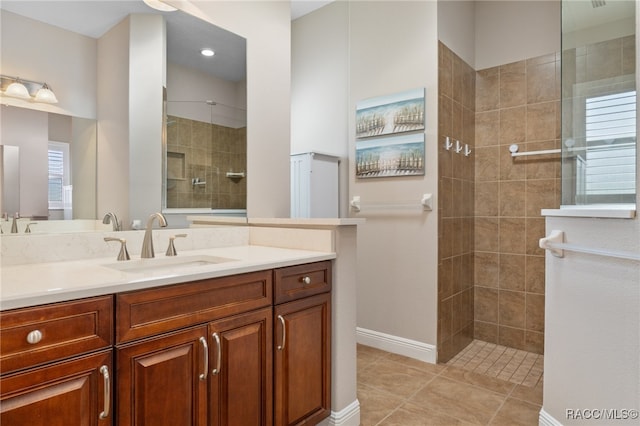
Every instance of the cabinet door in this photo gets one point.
(302, 362)
(70, 393)
(162, 381)
(241, 370)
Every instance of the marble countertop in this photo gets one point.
(40, 283)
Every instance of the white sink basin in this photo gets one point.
(167, 263)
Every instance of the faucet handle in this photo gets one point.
(28, 228)
(124, 254)
(171, 250)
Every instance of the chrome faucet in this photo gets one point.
(14, 224)
(113, 219)
(147, 243)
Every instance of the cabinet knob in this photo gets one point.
(306, 280)
(34, 336)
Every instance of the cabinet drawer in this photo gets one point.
(295, 282)
(56, 331)
(149, 312)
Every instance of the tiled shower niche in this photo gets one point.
(207, 153)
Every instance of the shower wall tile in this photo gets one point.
(456, 204)
(513, 85)
(516, 103)
(488, 89)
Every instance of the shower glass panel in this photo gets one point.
(205, 156)
(598, 102)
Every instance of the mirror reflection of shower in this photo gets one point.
(206, 155)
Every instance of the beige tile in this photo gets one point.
(543, 166)
(534, 277)
(602, 59)
(445, 70)
(512, 198)
(417, 364)
(367, 355)
(487, 269)
(487, 132)
(535, 231)
(486, 331)
(512, 272)
(512, 235)
(460, 400)
(487, 166)
(486, 304)
(413, 415)
(531, 394)
(375, 405)
(541, 121)
(488, 89)
(515, 412)
(513, 85)
(512, 309)
(445, 277)
(628, 55)
(540, 195)
(513, 125)
(445, 117)
(487, 234)
(393, 377)
(534, 341)
(481, 380)
(541, 82)
(486, 198)
(511, 337)
(512, 168)
(535, 312)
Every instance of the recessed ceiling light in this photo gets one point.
(159, 5)
(207, 52)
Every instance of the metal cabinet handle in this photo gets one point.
(219, 349)
(284, 333)
(205, 351)
(104, 370)
(306, 280)
(34, 337)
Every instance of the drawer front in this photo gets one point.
(296, 282)
(145, 313)
(33, 336)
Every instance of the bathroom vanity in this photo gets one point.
(247, 341)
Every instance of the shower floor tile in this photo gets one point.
(508, 364)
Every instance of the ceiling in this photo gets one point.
(186, 35)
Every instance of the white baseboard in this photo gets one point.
(546, 419)
(348, 416)
(397, 345)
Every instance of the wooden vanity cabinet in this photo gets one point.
(302, 347)
(197, 353)
(56, 364)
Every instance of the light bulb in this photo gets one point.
(46, 95)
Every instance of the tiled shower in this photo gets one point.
(491, 281)
(206, 152)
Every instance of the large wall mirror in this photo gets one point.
(61, 43)
(598, 102)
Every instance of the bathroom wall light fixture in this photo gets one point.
(207, 52)
(16, 87)
(17, 90)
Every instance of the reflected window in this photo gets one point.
(608, 163)
(59, 188)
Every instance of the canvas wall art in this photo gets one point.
(390, 156)
(397, 113)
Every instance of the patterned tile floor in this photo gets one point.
(505, 363)
(395, 390)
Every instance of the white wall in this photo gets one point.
(592, 321)
(187, 84)
(394, 47)
(267, 28)
(29, 48)
(29, 130)
(320, 87)
(510, 31)
(147, 78)
(457, 27)
(113, 123)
